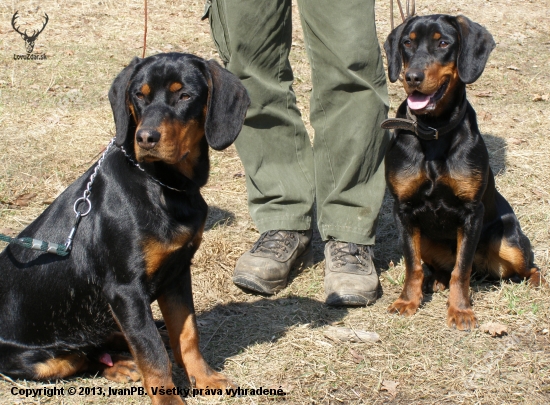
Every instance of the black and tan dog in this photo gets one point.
(447, 210)
(135, 246)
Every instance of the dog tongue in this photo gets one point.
(105, 358)
(417, 101)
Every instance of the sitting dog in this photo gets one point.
(447, 209)
(58, 314)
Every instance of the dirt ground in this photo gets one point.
(55, 120)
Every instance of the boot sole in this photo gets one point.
(262, 286)
(352, 300)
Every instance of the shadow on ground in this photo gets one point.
(228, 329)
(497, 153)
(218, 217)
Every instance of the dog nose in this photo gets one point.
(414, 77)
(147, 138)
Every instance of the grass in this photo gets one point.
(55, 119)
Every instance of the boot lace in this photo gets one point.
(274, 242)
(351, 253)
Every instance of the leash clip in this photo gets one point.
(69, 241)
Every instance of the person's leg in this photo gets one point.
(348, 103)
(254, 39)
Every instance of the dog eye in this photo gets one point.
(443, 44)
(184, 96)
(140, 95)
(407, 43)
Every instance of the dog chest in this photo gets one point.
(432, 181)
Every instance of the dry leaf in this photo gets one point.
(538, 97)
(390, 386)
(494, 329)
(513, 68)
(516, 141)
(24, 199)
(356, 357)
(484, 94)
(351, 335)
(322, 343)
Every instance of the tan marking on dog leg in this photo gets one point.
(184, 340)
(61, 367)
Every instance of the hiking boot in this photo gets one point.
(350, 276)
(266, 266)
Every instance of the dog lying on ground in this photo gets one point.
(135, 246)
(447, 209)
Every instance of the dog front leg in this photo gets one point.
(133, 314)
(459, 312)
(411, 296)
(178, 311)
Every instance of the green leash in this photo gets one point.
(35, 244)
(56, 248)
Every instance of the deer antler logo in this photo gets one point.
(29, 39)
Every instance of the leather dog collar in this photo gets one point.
(421, 130)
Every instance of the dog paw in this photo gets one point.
(461, 319)
(402, 307)
(439, 286)
(213, 380)
(124, 370)
(536, 279)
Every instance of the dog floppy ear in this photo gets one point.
(119, 105)
(393, 53)
(475, 45)
(226, 106)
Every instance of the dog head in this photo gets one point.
(167, 106)
(438, 53)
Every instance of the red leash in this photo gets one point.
(411, 10)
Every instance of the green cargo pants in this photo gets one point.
(344, 171)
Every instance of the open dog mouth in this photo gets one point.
(420, 101)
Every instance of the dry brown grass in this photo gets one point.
(55, 119)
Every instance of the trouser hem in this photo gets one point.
(361, 236)
(284, 224)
